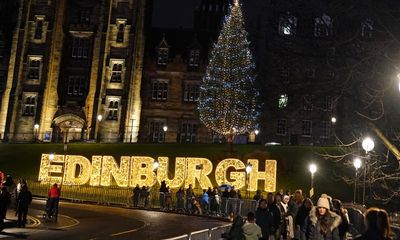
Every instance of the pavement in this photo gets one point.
(94, 222)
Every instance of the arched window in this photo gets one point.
(323, 26)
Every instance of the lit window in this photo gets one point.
(194, 58)
(156, 131)
(287, 24)
(283, 101)
(113, 109)
(367, 27)
(116, 75)
(306, 128)
(29, 106)
(191, 92)
(281, 127)
(160, 90)
(188, 132)
(323, 26)
(80, 48)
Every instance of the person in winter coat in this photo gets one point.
(302, 214)
(180, 196)
(378, 225)
(236, 231)
(322, 224)
(136, 195)
(251, 230)
(276, 212)
(163, 190)
(53, 199)
(342, 212)
(5, 200)
(24, 199)
(265, 219)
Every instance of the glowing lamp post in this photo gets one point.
(368, 145)
(36, 128)
(357, 164)
(256, 132)
(165, 129)
(99, 119)
(249, 168)
(333, 120)
(313, 169)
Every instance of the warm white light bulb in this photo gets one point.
(313, 168)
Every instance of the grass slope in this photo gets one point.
(23, 160)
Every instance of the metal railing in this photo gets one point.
(150, 199)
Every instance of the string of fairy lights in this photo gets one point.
(104, 171)
(227, 102)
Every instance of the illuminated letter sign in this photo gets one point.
(132, 170)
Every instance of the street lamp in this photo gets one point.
(36, 128)
(256, 132)
(368, 145)
(333, 120)
(313, 169)
(99, 119)
(165, 129)
(357, 164)
(249, 168)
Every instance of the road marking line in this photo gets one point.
(36, 221)
(76, 222)
(130, 231)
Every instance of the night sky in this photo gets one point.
(174, 13)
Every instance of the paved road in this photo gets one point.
(82, 221)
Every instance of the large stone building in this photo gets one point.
(78, 70)
(74, 70)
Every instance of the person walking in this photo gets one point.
(251, 230)
(378, 225)
(180, 195)
(302, 214)
(5, 200)
(23, 201)
(342, 212)
(322, 223)
(265, 219)
(163, 190)
(189, 196)
(136, 195)
(52, 201)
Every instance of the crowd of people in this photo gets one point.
(287, 216)
(14, 195)
(279, 216)
(186, 201)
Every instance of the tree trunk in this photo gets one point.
(229, 141)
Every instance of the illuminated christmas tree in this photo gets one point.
(227, 102)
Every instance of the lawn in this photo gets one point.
(23, 160)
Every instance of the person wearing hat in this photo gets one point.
(322, 223)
